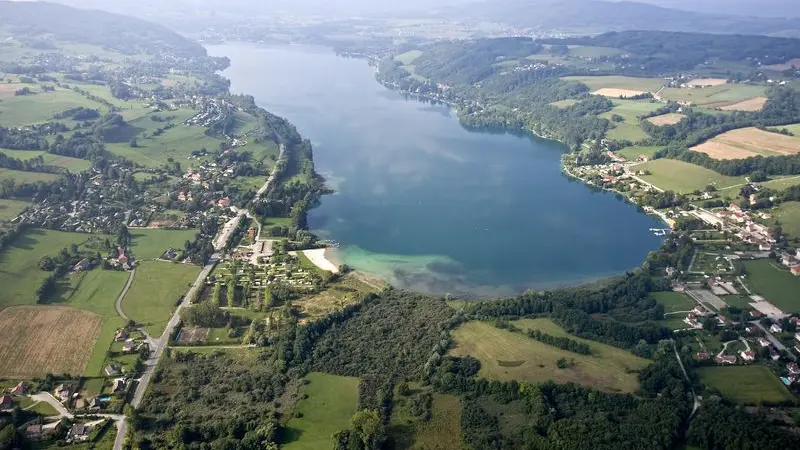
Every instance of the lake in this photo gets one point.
(424, 203)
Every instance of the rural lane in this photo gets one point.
(118, 304)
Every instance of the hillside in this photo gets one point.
(582, 16)
(49, 21)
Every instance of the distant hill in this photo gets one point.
(116, 32)
(759, 8)
(586, 16)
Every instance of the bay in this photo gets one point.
(428, 205)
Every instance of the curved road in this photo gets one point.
(118, 304)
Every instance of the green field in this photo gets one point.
(505, 356)
(151, 244)
(408, 57)
(584, 51)
(630, 110)
(780, 184)
(714, 96)
(40, 107)
(10, 209)
(20, 275)
(673, 301)
(788, 214)
(74, 165)
(441, 432)
(619, 82)
(750, 385)
(97, 291)
(632, 153)
(20, 177)
(564, 103)
(683, 177)
(331, 402)
(775, 283)
(156, 289)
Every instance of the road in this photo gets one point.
(696, 403)
(118, 304)
(773, 340)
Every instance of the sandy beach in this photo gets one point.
(318, 256)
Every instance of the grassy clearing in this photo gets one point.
(41, 106)
(37, 340)
(157, 288)
(74, 165)
(631, 111)
(788, 214)
(564, 103)
(666, 119)
(20, 177)
(715, 96)
(750, 385)
(441, 432)
(633, 153)
(408, 57)
(331, 402)
(20, 275)
(775, 283)
(683, 177)
(151, 244)
(10, 209)
(780, 184)
(513, 356)
(618, 82)
(583, 51)
(673, 301)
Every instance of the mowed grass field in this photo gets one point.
(151, 244)
(408, 57)
(10, 209)
(596, 83)
(74, 165)
(631, 111)
(41, 106)
(20, 275)
(331, 402)
(20, 176)
(788, 214)
(749, 142)
(36, 340)
(156, 289)
(506, 356)
(683, 177)
(775, 283)
(724, 95)
(666, 119)
(633, 152)
(749, 385)
(673, 301)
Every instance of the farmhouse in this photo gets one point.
(62, 393)
(121, 335)
(19, 390)
(748, 355)
(78, 432)
(112, 370)
(128, 346)
(775, 328)
(763, 342)
(119, 386)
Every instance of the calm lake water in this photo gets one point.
(427, 204)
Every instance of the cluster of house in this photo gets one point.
(7, 401)
(78, 432)
(792, 262)
(212, 110)
(734, 219)
(122, 260)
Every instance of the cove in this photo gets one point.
(428, 205)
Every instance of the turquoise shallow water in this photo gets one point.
(425, 203)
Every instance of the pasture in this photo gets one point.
(666, 119)
(634, 152)
(506, 356)
(748, 385)
(442, 431)
(20, 176)
(10, 209)
(40, 106)
(330, 404)
(788, 214)
(775, 283)
(151, 244)
(630, 110)
(752, 104)
(35, 341)
(707, 82)
(20, 275)
(74, 165)
(746, 142)
(639, 84)
(408, 57)
(725, 95)
(157, 288)
(683, 177)
(673, 301)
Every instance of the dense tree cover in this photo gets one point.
(658, 52)
(392, 336)
(719, 426)
(15, 139)
(120, 33)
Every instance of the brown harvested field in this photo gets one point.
(8, 89)
(618, 93)
(753, 104)
(37, 340)
(785, 66)
(666, 119)
(700, 82)
(747, 142)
